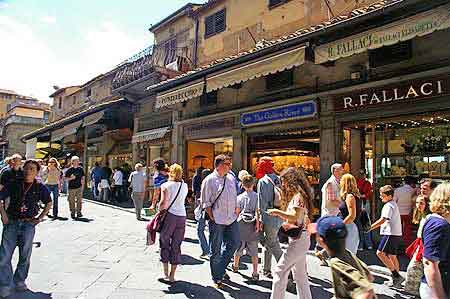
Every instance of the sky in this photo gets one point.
(44, 43)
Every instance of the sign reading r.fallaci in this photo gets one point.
(301, 110)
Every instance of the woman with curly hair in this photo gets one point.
(436, 246)
(297, 194)
(350, 209)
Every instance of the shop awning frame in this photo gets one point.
(67, 130)
(93, 118)
(149, 135)
(415, 26)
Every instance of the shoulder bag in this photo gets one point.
(214, 202)
(162, 214)
(276, 194)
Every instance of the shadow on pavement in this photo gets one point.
(238, 291)
(30, 295)
(190, 240)
(370, 258)
(318, 292)
(189, 260)
(193, 290)
(324, 283)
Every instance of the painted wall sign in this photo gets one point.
(179, 95)
(302, 110)
(418, 25)
(394, 94)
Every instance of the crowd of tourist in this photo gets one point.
(242, 212)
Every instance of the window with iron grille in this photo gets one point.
(280, 80)
(390, 54)
(208, 99)
(215, 23)
(170, 50)
(273, 3)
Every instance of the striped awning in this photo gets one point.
(149, 135)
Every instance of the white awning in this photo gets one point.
(31, 145)
(145, 136)
(69, 129)
(93, 118)
(409, 28)
(271, 65)
(179, 95)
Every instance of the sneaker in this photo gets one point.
(79, 215)
(226, 277)
(204, 256)
(21, 287)
(370, 248)
(218, 284)
(267, 274)
(72, 215)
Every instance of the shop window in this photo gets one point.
(208, 99)
(390, 54)
(215, 23)
(279, 80)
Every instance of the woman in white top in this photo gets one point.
(173, 196)
(297, 192)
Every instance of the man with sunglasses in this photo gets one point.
(219, 199)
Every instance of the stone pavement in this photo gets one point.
(105, 256)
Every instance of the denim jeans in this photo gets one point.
(224, 240)
(54, 189)
(94, 187)
(21, 234)
(201, 224)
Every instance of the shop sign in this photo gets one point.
(394, 94)
(179, 95)
(217, 127)
(302, 110)
(418, 25)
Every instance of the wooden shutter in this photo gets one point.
(215, 23)
(209, 25)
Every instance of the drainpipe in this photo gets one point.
(197, 25)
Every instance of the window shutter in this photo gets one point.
(209, 25)
(215, 23)
(220, 21)
(275, 2)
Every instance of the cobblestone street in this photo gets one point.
(105, 256)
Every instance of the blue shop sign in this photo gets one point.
(302, 110)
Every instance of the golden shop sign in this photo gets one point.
(179, 95)
(399, 93)
(418, 25)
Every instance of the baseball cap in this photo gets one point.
(330, 227)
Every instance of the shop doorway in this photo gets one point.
(201, 153)
(293, 148)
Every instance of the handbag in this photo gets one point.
(277, 203)
(221, 191)
(162, 214)
(365, 221)
(288, 230)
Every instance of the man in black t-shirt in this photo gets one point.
(10, 176)
(19, 222)
(75, 177)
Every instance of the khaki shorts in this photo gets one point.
(251, 248)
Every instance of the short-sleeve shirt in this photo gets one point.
(436, 245)
(350, 276)
(137, 179)
(118, 178)
(159, 179)
(27, 205)
(247, 203)
(178, 208)
(393, 224)
(79, 174)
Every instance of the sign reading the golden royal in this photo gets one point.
(179, 95)
(418, 25)
(394, 94)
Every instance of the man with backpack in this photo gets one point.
(268, 192)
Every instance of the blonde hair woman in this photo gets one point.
(350, 209)
(173, 196)
(298, 195)
(436, 245)
(51, 175)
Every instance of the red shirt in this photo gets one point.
(365, 188)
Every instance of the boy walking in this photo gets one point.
(351, 277)
(391, 235)
(248, 220)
